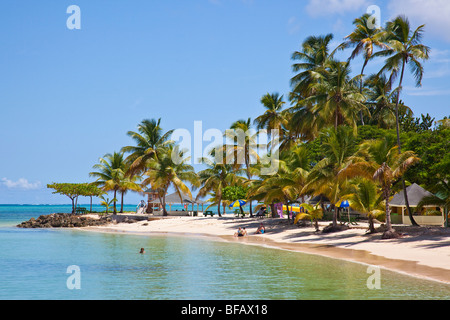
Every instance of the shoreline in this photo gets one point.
(425, 256)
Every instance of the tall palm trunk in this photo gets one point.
(115, 200)
(413, 222)
(388, 210)
(361, 87)
(121, 202)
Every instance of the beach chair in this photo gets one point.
(80, 210)
(206, 213)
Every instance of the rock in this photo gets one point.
(338, 228)
(63, 220)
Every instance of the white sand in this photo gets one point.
(425, 255)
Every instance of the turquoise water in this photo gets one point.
(34, 262)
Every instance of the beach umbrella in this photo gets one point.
(345, 204)
(237, 203)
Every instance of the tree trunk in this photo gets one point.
(91, 205)
(218, 207)
(335, 216)
(388, 210)
(413, 222)
(121, 202)
(73, 205)
(272, 208)
(371, 226)
(114, 200)
(76, 204)
(361, 89)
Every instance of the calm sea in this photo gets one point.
(34, 264)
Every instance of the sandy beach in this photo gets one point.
(421, 252)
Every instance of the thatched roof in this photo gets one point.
(415, 194)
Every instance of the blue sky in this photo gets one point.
(68, 97)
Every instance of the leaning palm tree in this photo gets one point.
(111, 173)
(387, 174)
(365, 38)
(405, 49)
(170, 168)
(148, 138)
(379, 160)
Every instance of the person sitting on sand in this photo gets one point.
(240, 233)
(261, 229)
(261, 212)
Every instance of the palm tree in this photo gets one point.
(405, 50)
(106, 202)
(312, 61)
(243, 148)
(325, 177)
(336, 98)
(272, 118)
(215, 178)
(167, 169)
(111, 173)
(394, 168)
(364, 38)
(285, 186)
(364, 197)
(149, 138)
(311, 212)
(129, 183)
(379, 160)
(381, 101)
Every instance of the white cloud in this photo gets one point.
(427, 92)
(293, 25)
(317, 8)
(22, 184)
(433, 13)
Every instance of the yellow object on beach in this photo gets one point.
(291, 209)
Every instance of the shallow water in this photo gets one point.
(34, 262)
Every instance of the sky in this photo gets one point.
(69, 96)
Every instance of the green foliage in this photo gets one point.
(233, 193)
(432, 148)
(74, 190)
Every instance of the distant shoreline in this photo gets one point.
(420, 256)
